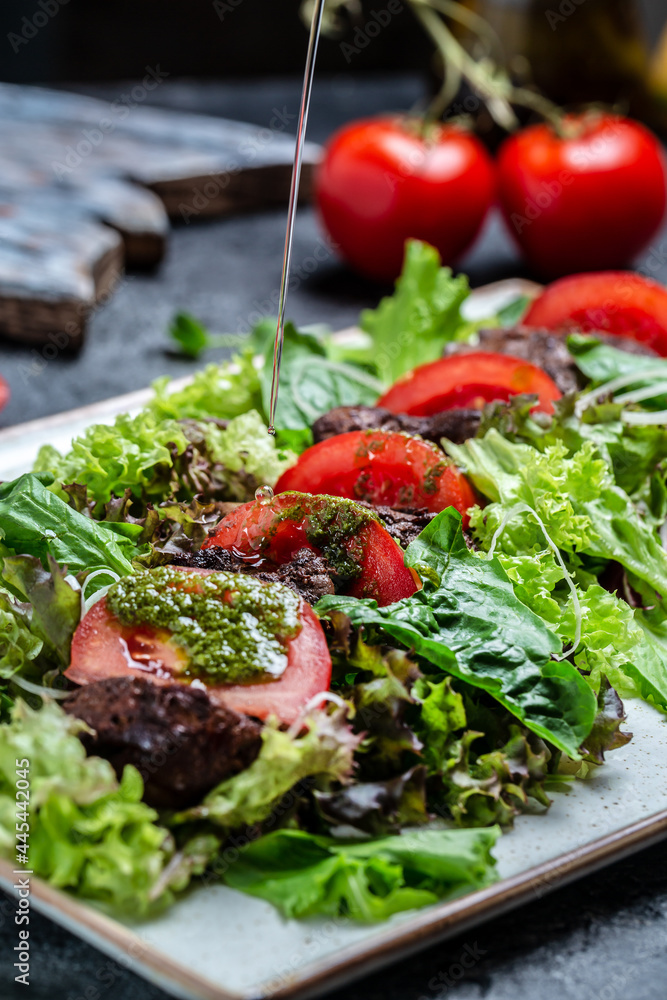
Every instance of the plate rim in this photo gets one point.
(426, 927)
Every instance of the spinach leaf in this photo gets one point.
(35, 522)
(311, 383)
(467, 621)
(303, 874)
(600, 362)
(513, 312)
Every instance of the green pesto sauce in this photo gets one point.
(242, 639)
(332, 525)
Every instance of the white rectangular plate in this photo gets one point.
(219, 944)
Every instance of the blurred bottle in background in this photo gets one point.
(585, 51)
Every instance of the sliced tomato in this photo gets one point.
(382, 468)
(615, 302)
(468, 380)
(103, 647)
(367, 560)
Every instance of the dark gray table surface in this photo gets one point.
(603, 938)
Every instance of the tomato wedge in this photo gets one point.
(615, 302)
(468, 380)
(366, 559)
(382, 468)
(102, 647)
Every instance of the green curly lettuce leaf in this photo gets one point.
(582, 512)
(89, 833)
(55, 605)
(324, 751)
(633, 453)
(304, 875)
(413, 325)
(220, 392)
(575, 497)
(156, 458)
(19, 646)
(468, 623)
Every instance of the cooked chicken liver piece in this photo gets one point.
(182, 744)
(457, 425)
(306, 573)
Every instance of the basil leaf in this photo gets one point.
(467, 622)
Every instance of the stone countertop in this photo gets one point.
(602, 938)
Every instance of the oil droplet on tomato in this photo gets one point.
(264, 494)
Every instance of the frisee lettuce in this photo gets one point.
(575, 497)
(583, 512)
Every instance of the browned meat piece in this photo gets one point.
(181, 742)
(457, 425)
(307, 572)
(404, 525)
(545, 349)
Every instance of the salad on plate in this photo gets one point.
(334, 666)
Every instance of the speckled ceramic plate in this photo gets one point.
(218, 944)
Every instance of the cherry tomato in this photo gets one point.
(102, 647)
(468, 380)
(616, 302)
(384, 180)
(367, 560)
(588, 200)
(381, 467)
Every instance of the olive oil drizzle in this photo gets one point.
(315, 28)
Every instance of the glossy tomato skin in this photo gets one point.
(271, 532)
(614, 302)
(103, 648)
(381, 182)
(468, 380)
(381, 468)
(584, 203)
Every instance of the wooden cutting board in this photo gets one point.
(87, 187)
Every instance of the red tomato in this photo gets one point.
(468, 380)
(589, 201)
(619, 302)
(102, 648)
(4, 393)
(384, 180)
(274, 531)
(381, 467)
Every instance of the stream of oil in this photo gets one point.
(315, 28)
